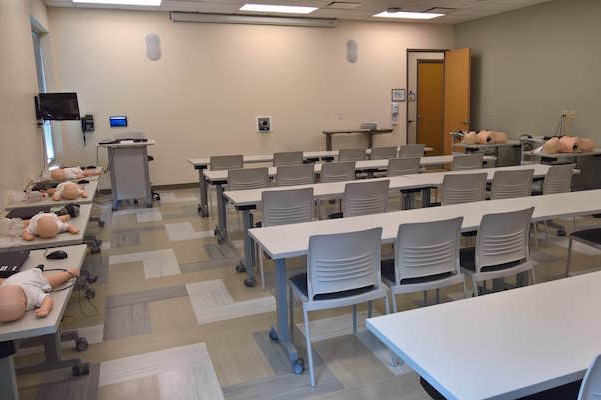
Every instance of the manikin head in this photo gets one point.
(12, 303)
(70, 191)
(58, 174)
(47, 227)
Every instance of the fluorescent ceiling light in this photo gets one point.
(123, 2)
(407, 15)
(277, 9)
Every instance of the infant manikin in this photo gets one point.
(61, 174)
(28, 290)
(68, 191)
(46, 226)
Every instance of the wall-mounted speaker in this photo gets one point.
(351, 51)
(153, 46)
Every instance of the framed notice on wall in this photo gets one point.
(398, 94)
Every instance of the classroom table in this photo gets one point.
(248, 200)
(47, 328)
(90, 189)
(516, 145)
(367, 132)
(8, 243)
(219, 179)
(589, 163)
(285, 241)
(508, 344)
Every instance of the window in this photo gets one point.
(39, 65)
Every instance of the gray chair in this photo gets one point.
(226, 162)
(590, 389)
(467, 161)
(287, 158)
(280, 207)
(337, 172)
(247, 178)
(356, 154)
(403, 166)
(292, 175)
(426, 256)
(501, 248)
(463, 188)
(362, 198)
(342, 270)
(412, 150)
(383, 153)
(510, 184)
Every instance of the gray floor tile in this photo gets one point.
(276, 355)
(221, 251)
(98, 265)
(60, 384)
(124, 321)
(125, 239)
(146, 296)
(202, 265)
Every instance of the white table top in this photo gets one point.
(260, 158)
(485, 146)
(562, 155)
(503, 345)
(90, 189)
(221, 175)
(128, 143)
(63, 239)
(286, 241)
(334, 190)
(30, 325)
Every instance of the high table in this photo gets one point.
(503, 345)
(285, 241)
(29, 326)
(367, 132)
(63, 239)
(90, 189)
(128, 163)
(589, 163)
(516, 146)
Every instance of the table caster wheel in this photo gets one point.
(298, 366)
(240, 268)
(81, 344)
(250, 282)
(273, 335)
(95, 250)
(561, 233)
(101, 224)
(82, 369)
(199, 208)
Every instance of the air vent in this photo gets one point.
(343, 5)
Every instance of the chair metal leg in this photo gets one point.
(437, 296)
(546, 231)
(260, 256)
(574, 220)
(354, 320)
(369, 309)
(569, 257)
(475, 287)
(464, 290)
(535, 236)
(532, 276)
(308, 340)
(393, 301)
(425, 298)
(291, 302)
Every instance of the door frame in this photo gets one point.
(428, 61)
(407, 53)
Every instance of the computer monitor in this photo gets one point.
(57, 106)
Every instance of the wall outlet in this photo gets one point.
(340, 116)
(572, 114)
(263, 124)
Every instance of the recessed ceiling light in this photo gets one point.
(407, 15)
(123, 2)
(277, 9)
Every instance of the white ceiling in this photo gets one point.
(461, 10)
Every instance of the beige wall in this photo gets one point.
(530, 64)
(202, 96)
(21, 154)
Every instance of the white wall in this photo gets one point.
(530, 64)
(21, 155)
(202, 96)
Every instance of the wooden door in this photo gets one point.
(430, 100)
(457, 78)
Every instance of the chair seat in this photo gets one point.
(467, 259)
(388, 274)
(299, 282)
(592, 235)
(258, 224)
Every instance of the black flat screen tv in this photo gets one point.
(57, 106)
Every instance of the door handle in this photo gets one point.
(419, 116)
(466, 121)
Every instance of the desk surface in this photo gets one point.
(63, 239)
(372, 131)
(333, 190)
(486, 146)
(562, 155)
(503, 345)
(286, 241)
(30, 325)
(90, 188)
(128, 143)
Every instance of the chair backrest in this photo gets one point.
(281, 207)
(247, 178)
(558, 179)
(591, 384)
(337, 172)
(503, 238)
(403, 166)
(356, 154)
(290, 175)
(287, 158)
(427, 248)
(383, 153)
(412, 150)
(226, 162)
(509, 184)
(343, 261)
(363, 198)
(467, 161)
(463, 188)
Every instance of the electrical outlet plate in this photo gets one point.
(263, 124)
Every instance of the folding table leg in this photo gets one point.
(221, 229)
(203, 207)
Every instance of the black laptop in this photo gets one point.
(26, 213)
(11, 263)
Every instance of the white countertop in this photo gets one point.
(128, 143)
(503, 345)
(562, 155)
(90, 189)
(30, 325)
(485, 146)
